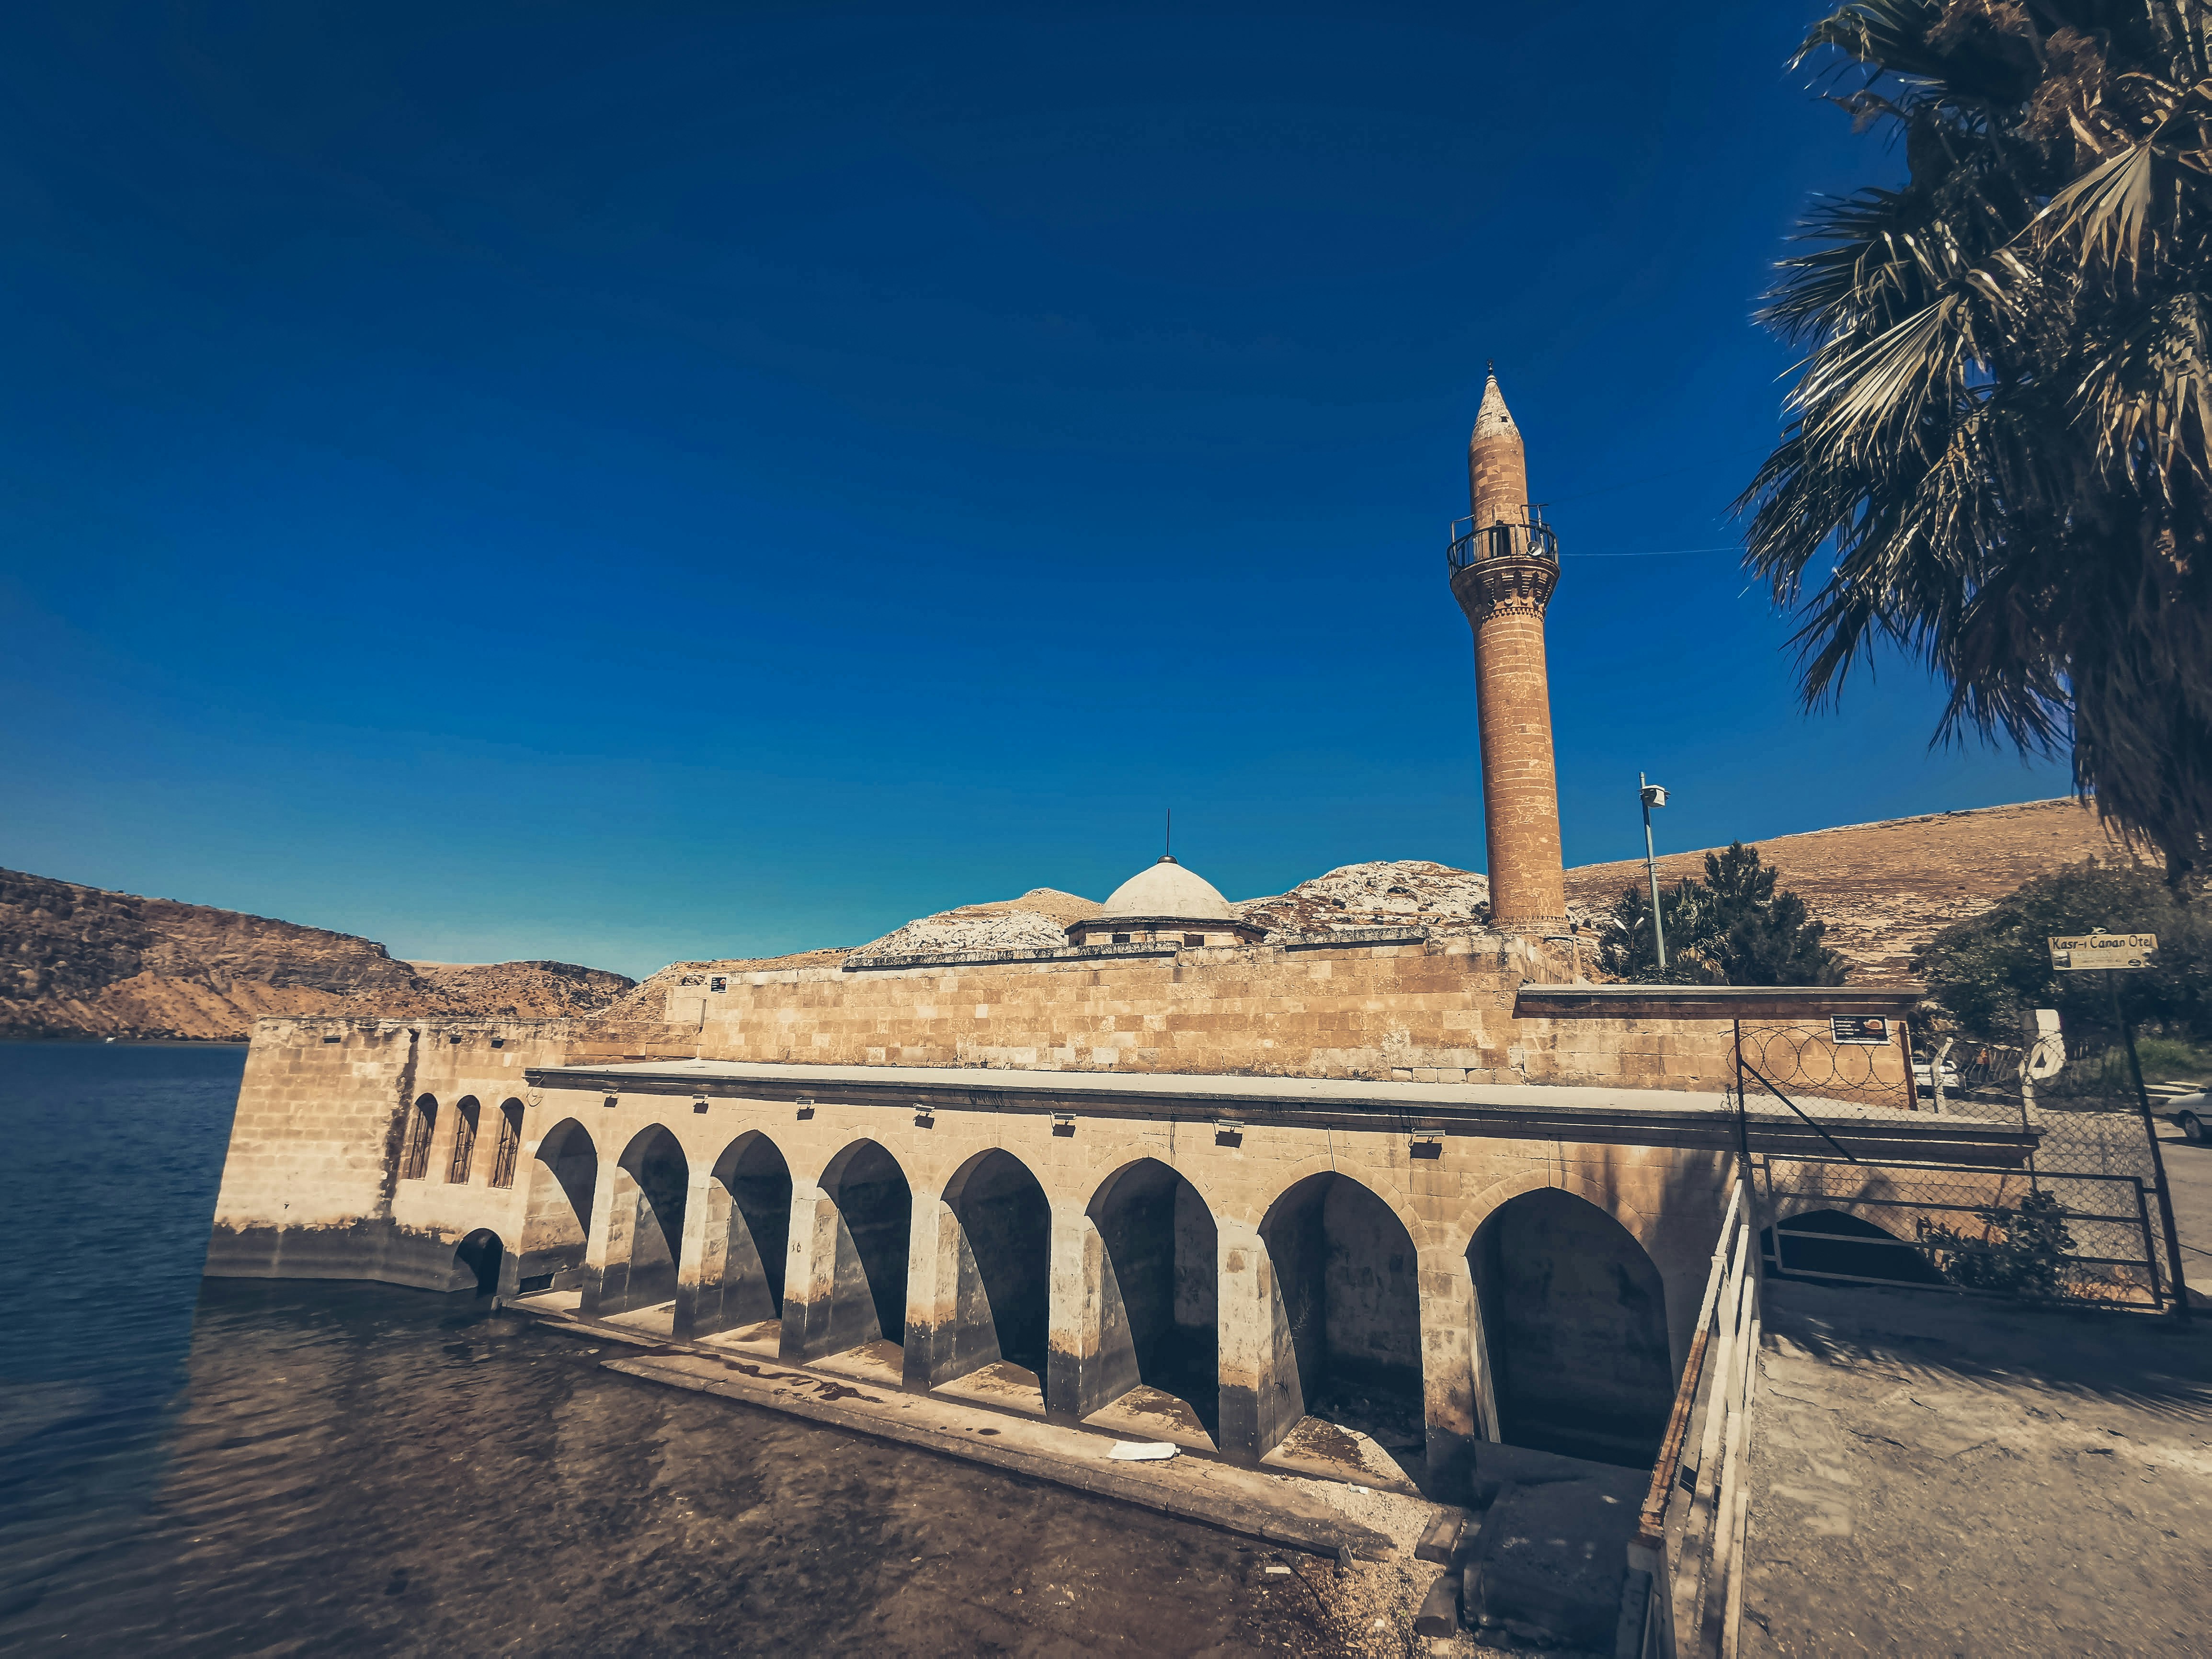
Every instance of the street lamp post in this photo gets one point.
(1653, 795)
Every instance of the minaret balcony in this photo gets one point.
(1472, 544)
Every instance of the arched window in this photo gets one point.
(415, 1160)
(464, 1141)
(510, 1143)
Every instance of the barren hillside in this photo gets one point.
(525, 990)
(1886, 888)
(83, 962)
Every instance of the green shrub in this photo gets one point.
(2016, 1254)
(1730, 928)
(1985, 972)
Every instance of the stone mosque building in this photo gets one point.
(1161, 1166)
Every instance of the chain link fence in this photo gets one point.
(2078, 1223)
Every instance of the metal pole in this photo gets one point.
(1652, 868)
(2157, 1158)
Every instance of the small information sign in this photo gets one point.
(2071, 954)
(1867, 1030)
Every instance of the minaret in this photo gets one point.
(1505, 563)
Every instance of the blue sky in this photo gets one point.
(622, 483)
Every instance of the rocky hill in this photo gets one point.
(1886, 888)
(525, 990)
(83, 962)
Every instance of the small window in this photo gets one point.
(1120, 938)
(465, 1142)
(510, 1143)
(415, 1160)
(1193, 939)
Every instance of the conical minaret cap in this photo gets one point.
(1494, 419)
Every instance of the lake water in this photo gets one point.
(247, 1466)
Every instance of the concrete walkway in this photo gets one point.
(1932, 1474)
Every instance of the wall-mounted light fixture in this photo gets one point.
(699, 1105)
(806, 1107)
(499, 1042)
(1227, 1132)
(925, 1116)
(1428, 1143)
(614, 1100)
(1063, 1124)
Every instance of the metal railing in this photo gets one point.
(1472, 544)
(1684, 1590)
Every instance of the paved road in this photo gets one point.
(2189, 1175)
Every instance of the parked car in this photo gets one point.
(2194, 1114)
(1923, 1074)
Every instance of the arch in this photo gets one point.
(422, 1124)
(1002, 1236)
(1845, 1248)
(874, 1206)
(1600, 1195)
(557, 1226)
(1574, 1314)
(743, 1235)
(510, 1143)
(1159, 1295)
(480, 1255)
(644, 1225)
(1347, 1302)
(467, 1111)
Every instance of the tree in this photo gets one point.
(1999, 439)
(1985, 972)
(1731, 928)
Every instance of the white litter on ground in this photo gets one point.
(1140, 1452)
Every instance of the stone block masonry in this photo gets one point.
(1440, 1011)
(1302, 1254)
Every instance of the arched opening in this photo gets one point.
(1347, 1299)
(875, 1208)
(481, 1255)
(1002, 1238)
(422, 1124)
(742, 1244)
(1831, 1245)
(557, 1231)
(465, 1113)
(645, 1225)
(1574, 1318)
(510, 1143)
(1158, 1313)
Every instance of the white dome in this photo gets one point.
(1168, 890)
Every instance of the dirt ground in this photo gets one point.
(1932, 1475)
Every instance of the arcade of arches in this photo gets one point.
(1132, 1311)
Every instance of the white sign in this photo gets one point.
(2073, 954)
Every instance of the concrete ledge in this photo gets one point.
(1289, 1514)
(1642, 1117)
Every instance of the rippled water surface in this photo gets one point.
(249, 1467)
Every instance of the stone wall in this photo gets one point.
(1439, 1011)
(311, 1188)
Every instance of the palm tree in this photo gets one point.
(1999, 440)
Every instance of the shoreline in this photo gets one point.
(28, 1039)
